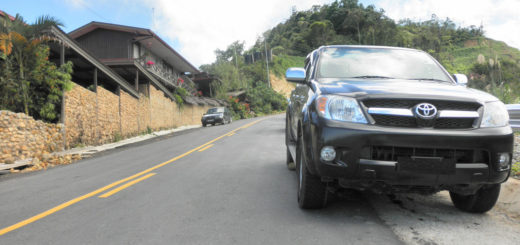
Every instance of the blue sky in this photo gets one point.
(78, 13)
(196, 28)
(74, 14)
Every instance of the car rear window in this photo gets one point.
(215, 110)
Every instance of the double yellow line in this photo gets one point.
(107, 187)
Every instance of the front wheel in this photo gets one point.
(312, 193)
(480, 202)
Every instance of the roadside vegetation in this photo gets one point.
(490, 65)
(515, 170)
(257, 98)
(29, 82)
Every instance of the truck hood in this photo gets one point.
(401, 89)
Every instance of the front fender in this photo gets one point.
(309, 124)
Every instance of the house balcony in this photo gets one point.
(169, 79)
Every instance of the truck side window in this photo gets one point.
(307, 70)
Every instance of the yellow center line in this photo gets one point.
(104, 188)
(133, 182)
(205, 148)
(231, 134)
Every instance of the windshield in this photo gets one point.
(378, 63)
(215, 110)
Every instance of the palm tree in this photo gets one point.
(19, 42)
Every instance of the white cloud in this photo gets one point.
(500, 18)
(76, 3)
(200, 26)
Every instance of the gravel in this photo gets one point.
(432, 219)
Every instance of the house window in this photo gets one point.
(136, 51)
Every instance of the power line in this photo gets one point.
(93, 11)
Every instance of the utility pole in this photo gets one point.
(267, 62)
(236, 66)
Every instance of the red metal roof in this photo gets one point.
(2, 13)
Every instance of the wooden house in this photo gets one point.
(138, 55)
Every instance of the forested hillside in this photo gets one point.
(491, 65)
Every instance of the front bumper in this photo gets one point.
(368, 153)
(211, 120)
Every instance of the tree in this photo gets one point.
(25, 68)
(21, 41)
(320, 33)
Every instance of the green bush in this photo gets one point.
(515, 169)
(238, 110)
(180, 95)
(265, 100)
(117, 137)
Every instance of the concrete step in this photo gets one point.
(19, 163)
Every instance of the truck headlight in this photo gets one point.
(495, 115)
(340, 108)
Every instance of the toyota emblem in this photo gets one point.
(425, 111)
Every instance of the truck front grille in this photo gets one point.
(405, 103)
(409, 121)
(395, 121)
(412, 122)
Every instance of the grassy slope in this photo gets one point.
(460, 59)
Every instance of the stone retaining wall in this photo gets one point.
(129, 115)
(109, 120)
(81, 123)
(162, 110)
(96, 118)
(91, 119)
(23, 137)
(144, 115)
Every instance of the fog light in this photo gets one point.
(328, 153)
(503, 161)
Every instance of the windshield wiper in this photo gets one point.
(367, 76)
(429, 79)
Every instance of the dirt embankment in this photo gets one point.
(281, 85)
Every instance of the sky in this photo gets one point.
(196, 28)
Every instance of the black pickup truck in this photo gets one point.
(393, 120)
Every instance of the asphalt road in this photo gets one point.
(182, 190)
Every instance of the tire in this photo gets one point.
(312, 193)
(289, 161)
(480, 202)
(287, 129)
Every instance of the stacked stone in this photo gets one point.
(108, 116)
(22, 137)
(129, 115)
(80, 117)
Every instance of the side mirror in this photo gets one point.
(461, 79)
(295, 75)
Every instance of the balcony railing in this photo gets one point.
(168, 78)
